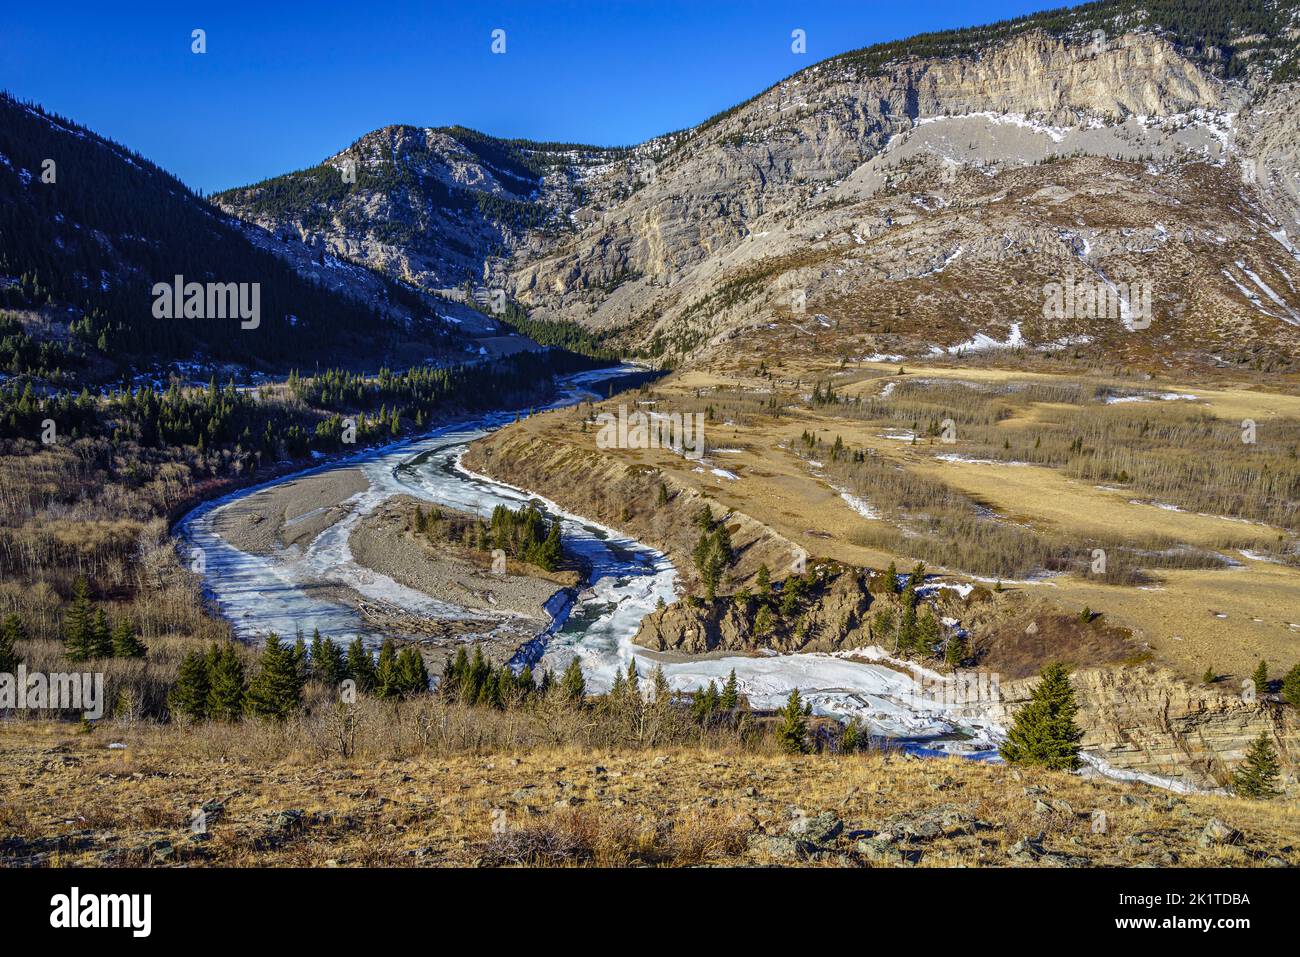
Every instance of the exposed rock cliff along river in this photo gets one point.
(298, 588)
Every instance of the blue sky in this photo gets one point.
(284, 85)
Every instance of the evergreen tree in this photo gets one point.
(276, 689)
(662, 693)
(763, 583)
(1260, 677)
(189, 695)
(730, 699)
(1044, 731)
(79, 623)
(412, 675)
(327, 663)
(954, 652)
(125, 642)
(101, 636)
(572, 683)
(227, 688)
(11, 632)
(1259, 775)
(851, 739)
(387, 679)
(794, 726)
(1291, 687)
(361, 666)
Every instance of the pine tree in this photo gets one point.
(227, 689)
(125, 642)
(189, 695)
(763, 583)
(11, 632)
(794, 726)
(1291, 687)
(327, 664)
(276, 689)
(663, 693)
(1260, 677)
(1259, 775)
(361, 666)
(1044, 731)
(954, 652)
(730, 699)
(79, 622)
(387, 679)
(851, 739)
(100, 644)
(572, 683)
(412, 675)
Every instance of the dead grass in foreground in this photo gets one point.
(67, 799)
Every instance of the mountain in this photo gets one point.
(87, 228)
(927, 195)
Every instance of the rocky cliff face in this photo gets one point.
(1149, 721)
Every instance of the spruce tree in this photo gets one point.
(412, 675)
(1044, 731)
(227, 689)
(361, 666)
(11, 632)
(328, 665)
(189, 695)
(794, 726)
(79, 623)
(572, 684)
(1260, 677)
(1291, 687)
(100, 644)
(387, 680)
(125, 642)
(730, 699)
(276, 689)
(1259, 775)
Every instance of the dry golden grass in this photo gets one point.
(66, 799)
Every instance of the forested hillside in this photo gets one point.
(87, 228)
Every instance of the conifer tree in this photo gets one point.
(663, 693)
(1291, 687)
(328, 665)
(412, 675)
(100, 644)
(954, 652)
(1259, 775)
(79, 622)
(227, 688)
(189, 695)
(11, 632)
(1044, 731)
(361, 666)
(572, 683)
(387, 679)
(276, 689)
(794, 726)
(125, 642)
(1260, 677)
(730, 699)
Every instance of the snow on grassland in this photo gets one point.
(981, 343)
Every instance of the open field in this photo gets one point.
(67, 799)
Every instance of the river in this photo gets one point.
(297, 590)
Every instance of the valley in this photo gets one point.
(900, 467)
